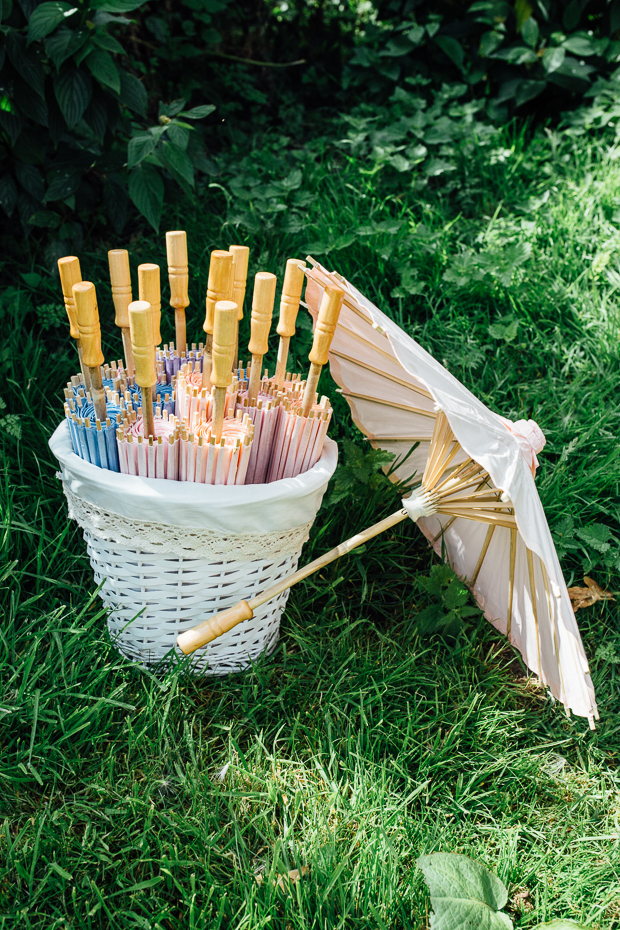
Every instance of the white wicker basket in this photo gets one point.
(161, 578)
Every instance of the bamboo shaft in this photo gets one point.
(312, 384)
(127, 349)
(180, 331)
(207, 362)
(282, 360)
(255, 376)
(148, 422)
(219, 408)
(83, 367)
(97, 393)
(210, 629)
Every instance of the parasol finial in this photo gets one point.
(85, 298)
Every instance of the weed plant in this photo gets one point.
(137, 799)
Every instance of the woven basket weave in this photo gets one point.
(159, 580)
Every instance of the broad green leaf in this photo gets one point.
(452, 48)
(63, 183)
(101, 66)
(8, 194)
(489, 42)
(464, 894)
(108, 43)
(30, 179)
(73, 91)
(26, 61)
(517, 55)
(118, 6)
(530, 32)
(553, 58)
(178, 135)
(139, 147)
(146, 189)
(177, 161)
(46, 17)
(581, 45)
(65, 43)
(523, 11)
(198, 112)
(45, 219)
(133, 94)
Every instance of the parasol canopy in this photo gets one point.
(477, 502)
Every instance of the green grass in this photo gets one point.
(358, 746)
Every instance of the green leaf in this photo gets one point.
(46, 17)
(30, 179)
(523, 11)
(118, 6)
(489, 42)
(596, 535)
(133, 94)
(530, 32)
(464, 894)
(26, 62)
(63, 183)
(73, 90)
(62, 872)
(198, 112)
(45, 219)
(452, 48)
(146, 189)
(178, 135)
(517, 55)
(177, 161)
(581, 45)
(139, 147)
(108, 43)
(64, 43)
(101, 66)
(553, 58)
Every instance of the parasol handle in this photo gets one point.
(262, 311)
(70, 274)
(85, 298)
(224, 343)
(178, 277)
(218, 288)
(329, 312)
(149, 291)
(120, 279)
(210, 629)
(141, 328)
(241, 258)
(289, 308)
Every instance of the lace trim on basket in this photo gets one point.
(183, 541)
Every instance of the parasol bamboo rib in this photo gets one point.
(483, 552)
(262, 311)
(511, 578)
(388, 403)
(289, 308)
(70, 274)
(224, 342)
(120, 280)
(218, 288)
(326, 323)
(210, 629)
(178, 278)
(140, 323)
(90, 336)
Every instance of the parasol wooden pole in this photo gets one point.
(141, 328)
(218, 288)
(150, 291)
(120, 279)
(85, 298)
(262, 311)
(241, 258)
(224, 339)
(178, 276)
(210, 629)
(70, 274)
(289, 307)
(329, 311)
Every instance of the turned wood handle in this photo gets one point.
(241, 257)
(120, 279)
(210, 629)
(178, 274)
(329, 312)
(262, 310)
(140, 327)
(85, 298)
(70, 274)
(149, 291)
(218, 284)
(224, 342)
(291, 295)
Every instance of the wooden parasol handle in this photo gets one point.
(289, 308)
(262, 311)
(210, 629)
(241, 258)
(178, 276)
(141, 328)
(329, 313)
(85, 298)
(120, 280)
(224, 344)
(149, 290)
(218, 288)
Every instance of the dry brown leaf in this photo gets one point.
(293, 876)
(586, 597)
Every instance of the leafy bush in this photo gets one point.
(76, 142)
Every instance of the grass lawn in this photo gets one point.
(359, 745)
